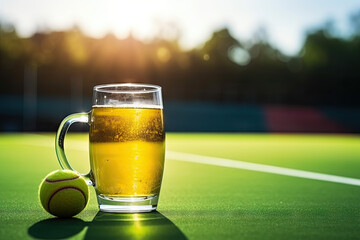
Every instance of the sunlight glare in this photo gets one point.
(135, 17)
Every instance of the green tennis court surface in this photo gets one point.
(199, 200)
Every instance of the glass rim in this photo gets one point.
(151, 88)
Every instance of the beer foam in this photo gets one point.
(135, 105)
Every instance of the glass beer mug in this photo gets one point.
(127, 146)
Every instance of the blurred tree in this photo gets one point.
(13, 56)
(219, 75)
(330, 64)
(69, 63)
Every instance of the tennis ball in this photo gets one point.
(63, 193)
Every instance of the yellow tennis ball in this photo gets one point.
(63, 193)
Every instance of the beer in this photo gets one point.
(126, 150)
(126, 146)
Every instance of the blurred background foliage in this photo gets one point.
(222, 69)
(67, 64)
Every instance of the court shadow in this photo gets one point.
(56, 228)
(104, 226)
(152, 225)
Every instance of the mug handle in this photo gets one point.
(60, 138)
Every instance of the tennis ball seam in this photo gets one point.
(61, 180)
(64, 188)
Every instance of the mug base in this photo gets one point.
(129, 204)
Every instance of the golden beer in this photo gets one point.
(126, 150)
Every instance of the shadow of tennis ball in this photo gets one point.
(56, 228)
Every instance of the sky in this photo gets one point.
(285, 21)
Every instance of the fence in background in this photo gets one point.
(190, 116)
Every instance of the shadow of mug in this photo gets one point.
(152, 225)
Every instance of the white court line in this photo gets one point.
(224, 162)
